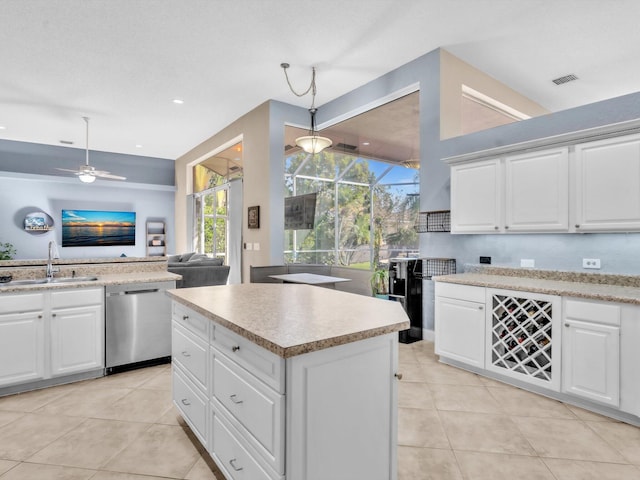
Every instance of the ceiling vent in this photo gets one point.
(66, 142)
(566, 79)
(346, 147)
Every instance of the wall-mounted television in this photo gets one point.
(300, 212)
(95, 228)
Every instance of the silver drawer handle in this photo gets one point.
(186, 354)
(185, 317)
(233, 399)
(398, 376)
(235, 348)
(185, 402)
(480, 307)
(567, 324)
(232, 463)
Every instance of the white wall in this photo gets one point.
(24, 193)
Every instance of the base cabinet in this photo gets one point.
(50, 334)
(591, 347)
(460, 323)
(575, 350)
(21, 347)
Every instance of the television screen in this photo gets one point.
(300, 212)
(93, 228)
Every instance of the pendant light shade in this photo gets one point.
(312, 143)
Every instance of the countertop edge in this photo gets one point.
(588, 291)
(293, 350)
(103, 280)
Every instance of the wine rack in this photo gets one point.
(522, 338)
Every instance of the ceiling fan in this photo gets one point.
(86, 173)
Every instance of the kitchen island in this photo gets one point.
(289, 381)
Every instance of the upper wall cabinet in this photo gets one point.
(607, 185)
(476, 192)
(516, 193)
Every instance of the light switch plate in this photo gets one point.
(248, 246)
(256, 246)
(527, 262)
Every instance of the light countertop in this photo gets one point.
(556, 286)
(291, 319)
(103, 279)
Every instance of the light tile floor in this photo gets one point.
(452, 425)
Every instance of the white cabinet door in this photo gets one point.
(476, 197)
(331, 391)
(77, 339)
(591, 361)
(537, 191)
(607, 185)
(21, 347)
(459, 330)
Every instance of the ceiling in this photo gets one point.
(123, 62)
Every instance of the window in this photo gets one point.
(211, 223)
(365, 211)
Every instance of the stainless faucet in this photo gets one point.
(51, 271)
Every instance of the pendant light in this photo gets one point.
(312, 143)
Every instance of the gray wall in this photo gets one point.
(30, 182)
(40, 159)
(619, 252)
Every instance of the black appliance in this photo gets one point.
(405, 286)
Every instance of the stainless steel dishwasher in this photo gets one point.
(138, 325)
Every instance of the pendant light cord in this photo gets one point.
(312, 86)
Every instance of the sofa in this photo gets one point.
(360, 280)
(198, 270)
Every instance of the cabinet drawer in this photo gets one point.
(267, 366)
(461, 292)
(231, 455)
(29, 302)
(190, 352)
(191, 320)
(191, 404)
(597, 312)
(78, 297)
(258, 409)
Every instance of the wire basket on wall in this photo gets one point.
(434, 221)
(432, 267)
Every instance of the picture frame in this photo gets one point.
(253, 217)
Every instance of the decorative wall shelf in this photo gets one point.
(38, 223)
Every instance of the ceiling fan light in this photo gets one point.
(87, 178)
(313, 143)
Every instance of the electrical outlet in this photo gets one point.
(591, 263)
(527, 262)
(485, 260)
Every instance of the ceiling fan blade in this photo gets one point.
(108, 176)
(68, 170)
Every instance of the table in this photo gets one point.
(309, 278)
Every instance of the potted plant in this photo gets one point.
(7, 251)
(380, 282)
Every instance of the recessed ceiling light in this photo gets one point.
(365, 143)
(178, 101)
(2, 127)
(138, 146)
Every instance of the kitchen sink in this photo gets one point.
(38, 281)
(73, 279)
(25, 282)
